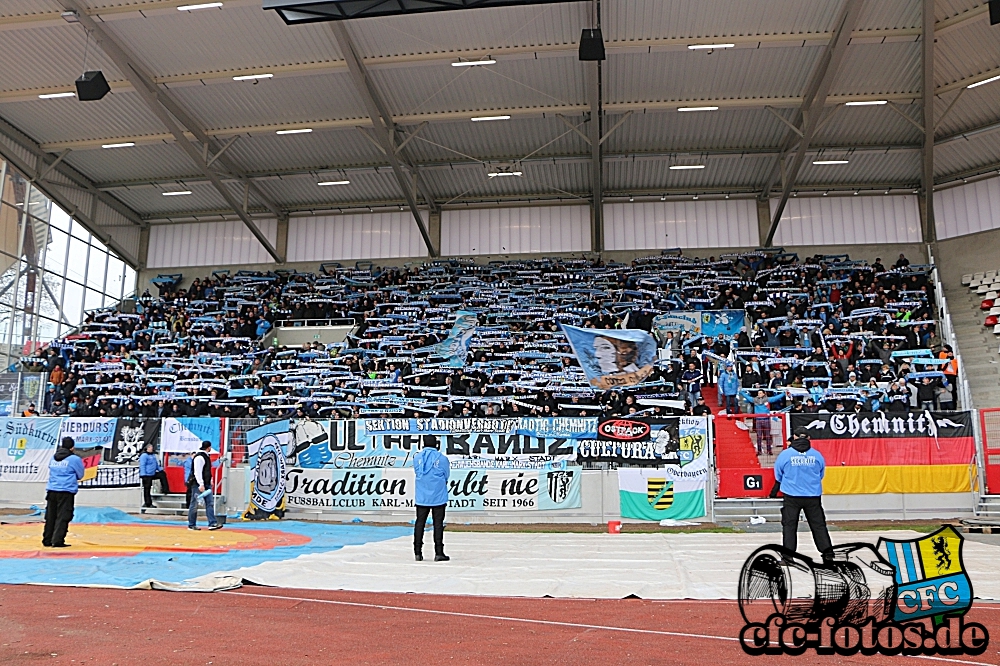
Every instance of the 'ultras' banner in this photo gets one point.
(513, 443)
(89, 432)
(268, 446)
(185, 435)
(468, 489)
(26, 446)
(666, 441)
(675, 491)
(917, 452)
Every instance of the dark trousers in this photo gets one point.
(147, 486)
(731, 404)
(58, 514)
(813, 506)
(437, 512)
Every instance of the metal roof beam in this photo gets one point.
(173, 117)
(812, 109)
(384, 126)
(927, 154)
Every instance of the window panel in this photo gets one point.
(79, 231)
(59, 219)
(98, 244)
(94, 301)
(77, 265)
(55, 254)
(73, 303)
(115, 274)
(95, 273)
(129, 281)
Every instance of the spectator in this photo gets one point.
(729, 389)
(200, 488)
(432, 471)
(150, 469)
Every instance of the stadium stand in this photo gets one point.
(824, 334)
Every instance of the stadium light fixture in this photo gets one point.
(304, 130)
(176, 193)
(709, 47)
(252, 77)
(473, 63)
(124, 144)
(57, 95)
(480, 119)
(698, 108)
(325, 183)
(203, 5)
(874, 102)
(684, 167)
(503, 174)
(984, 82)
(825, 162)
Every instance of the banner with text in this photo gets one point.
(26, 446)
(89, 432)
(185, 435)
(672, 440)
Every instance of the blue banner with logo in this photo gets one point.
(612, 358)
(26, 446)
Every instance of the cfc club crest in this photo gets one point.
(17, 448)
(930, 575)
(660, 493)
(559, 485)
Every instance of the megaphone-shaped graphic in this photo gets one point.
(856, 585)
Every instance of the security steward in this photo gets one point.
(798, 472)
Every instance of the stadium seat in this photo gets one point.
(982, 289)
(987, 304)
(967, 278)
(994, 310)
(990, 295)
(989, 275)
(991, 320)
(996, 330)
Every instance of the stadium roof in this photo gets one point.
(186, 71)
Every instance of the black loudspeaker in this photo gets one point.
(92, 86)
(592, 45)
(994, 12)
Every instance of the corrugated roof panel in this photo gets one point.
(623, 176)
(729, 129)
(49, 56)
(697, 75)
(976, 108)
(870, 168)
(509, 83)
(302, 191)
(322, 149)
(979, 152)
(875, 69)
(279, 101)
(145, 161)
(869, 126)
(67, 119)
(150, 200)
(970, 50)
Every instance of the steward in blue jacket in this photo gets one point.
(432, 470)
(150, 469)
(798, 472)
(65, 472)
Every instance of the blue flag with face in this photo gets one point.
(455, 347)
(613, 357)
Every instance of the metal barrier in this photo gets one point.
(947, 333)
(989, 421)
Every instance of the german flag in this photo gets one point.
(91, 459)
(660, 493)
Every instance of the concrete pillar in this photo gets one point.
(763, 220)
(143, 257)
(434, 230)
(281, 239)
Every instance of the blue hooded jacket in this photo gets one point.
(432, 470)
(148, 464)
(729, 383)
(65, 472)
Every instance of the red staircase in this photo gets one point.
(735, 456)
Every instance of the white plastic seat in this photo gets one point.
(994, 311)
(990, 295)
(975, 283)
(967, 278)
(996, 330)
(989, 275)
(978, 276)
(982, 289)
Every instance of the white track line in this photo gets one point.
(548, 622)
(488, 617)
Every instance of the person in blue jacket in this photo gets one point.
(798, 473)
(761, 404)
(151, 470)
(65, 472)
(729, 388)
(432, 470)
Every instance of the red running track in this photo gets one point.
(279, 627)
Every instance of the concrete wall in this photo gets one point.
(975, 253)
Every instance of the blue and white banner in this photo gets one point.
(89, 432)
(612, 358)
(710, 323)
(185, 435)
(511, 443)
(455, 347)
(267, 448)
(26, 445)
(468, 489)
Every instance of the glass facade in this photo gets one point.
(53, 270)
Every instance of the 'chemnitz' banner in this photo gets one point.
(468, 489)
(675, 491)
(512, 443)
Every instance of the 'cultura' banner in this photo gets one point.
(468, 489)
(666, 441)
(26, 445)
(675, 491)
